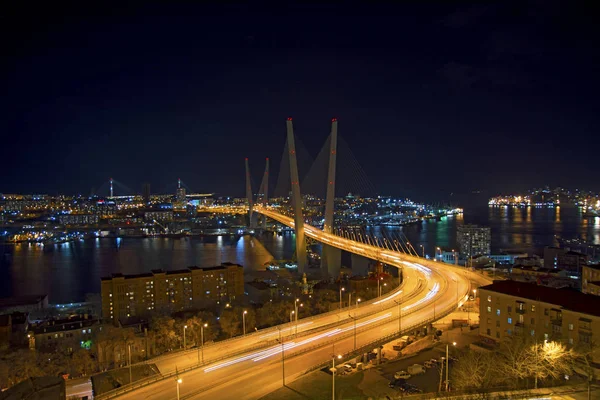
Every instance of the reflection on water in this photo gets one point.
(68, 271)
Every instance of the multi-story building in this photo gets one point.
(169, 291)
(78, 219)
(590, 279)
(68, 334)
(509, 308)
(474, 240)
(564, 258)
(162, 215)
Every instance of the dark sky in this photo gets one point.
(432, 98)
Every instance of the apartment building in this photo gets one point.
(509, 308)
(126, 296)
(590, 279)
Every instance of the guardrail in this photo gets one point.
(287, 325)
(290, 354)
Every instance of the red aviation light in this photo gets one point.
(289, 118)
(333, 119)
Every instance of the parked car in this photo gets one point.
(348, 367)
(434, 361)
(411, 389)
(401, 375)
(416, 369)
(397, 383)
(428, 364)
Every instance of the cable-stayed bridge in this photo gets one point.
(252, 365)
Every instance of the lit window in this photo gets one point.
(498, 311)
(509, 332)
(570, 327)
(533, 307)
(489, 309)
(533, 332)
(510, 321)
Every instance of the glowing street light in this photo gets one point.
(339, 357)
(202, 342)
(341, 290)
(184, 329)
(179, 382)
(244, 321)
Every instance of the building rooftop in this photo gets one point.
(171, 272)
(21, 300)
(593, 266)
(569, 299)
(46, 387)
(66, 324)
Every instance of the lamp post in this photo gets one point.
(447, 364)
(282, 357)
(399, 304)
(202, 342)
(456, 281)
(244, 321)
(341, 290)
(292, 316)
(423, 250)
(129, 354)
(379, 279)
(339, 356)
(184, 329)
(296, 312)
(179, 381)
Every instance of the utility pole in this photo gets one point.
(129, 352)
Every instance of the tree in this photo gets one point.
(82, 362)
(230, 322)
(163, 329)
(475, 370)
(522, 357)
(105, 342)
(585, 361)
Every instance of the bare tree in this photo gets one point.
(476, 370)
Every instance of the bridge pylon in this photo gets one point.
(265, 192)
(296, 199)
(330, 256)
(249, 194)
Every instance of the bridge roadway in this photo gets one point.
(430, 290)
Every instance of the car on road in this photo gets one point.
(434, 360)
(401, 375)
(428, 364)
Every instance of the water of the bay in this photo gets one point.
(66, 272)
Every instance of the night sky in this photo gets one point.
(432, 99)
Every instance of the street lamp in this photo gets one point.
(341, 290)
(282, 357)
(447, 383)
(379, 279)
(244, 321)
(202, 342)
(179, 381)
(399, 303)
(292, 316)
(339, 356)
(184, 329)
(296, 310)
(423, 250)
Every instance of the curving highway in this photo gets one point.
(250, 366)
